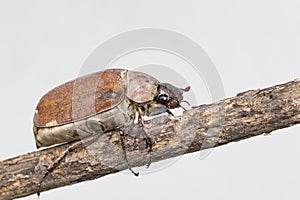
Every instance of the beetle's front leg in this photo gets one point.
(169, 112)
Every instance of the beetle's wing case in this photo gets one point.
(76, 101)
(141, 87)
(80, 98)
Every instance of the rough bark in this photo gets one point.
(246, 115)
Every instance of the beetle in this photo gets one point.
(100, 102)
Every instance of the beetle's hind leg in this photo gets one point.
(94, 127)
(122, 138)
(84, 142)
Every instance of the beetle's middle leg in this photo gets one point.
(147, 138)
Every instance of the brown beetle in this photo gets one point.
(100, 102)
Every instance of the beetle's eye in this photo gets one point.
(163, 98)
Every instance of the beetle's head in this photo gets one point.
(169, 95)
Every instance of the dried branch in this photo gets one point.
(248, 114)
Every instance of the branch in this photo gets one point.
(249, 114)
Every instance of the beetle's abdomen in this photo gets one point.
(80, 98)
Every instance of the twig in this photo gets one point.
(250, 113)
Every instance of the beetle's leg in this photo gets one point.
(122, 138)
(169, 112)
(146, 136)
(147, 139)
(84, 142)
(94, 127)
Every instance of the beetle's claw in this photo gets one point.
(134, 173)
(38, 192)
(149, 161)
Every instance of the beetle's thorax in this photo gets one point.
(140, 87)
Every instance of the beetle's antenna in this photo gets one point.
(186, 89)
(183, 107)
(185, 101)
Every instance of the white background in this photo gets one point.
(254, 44)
